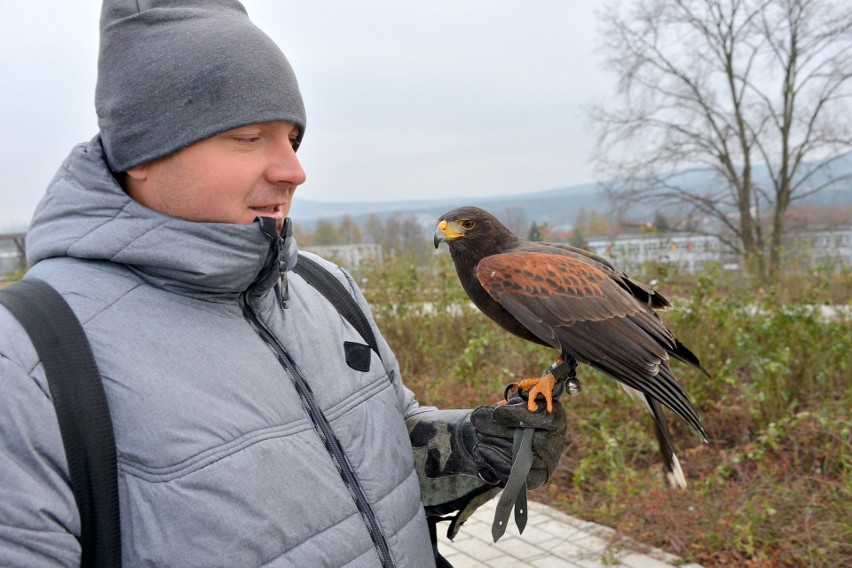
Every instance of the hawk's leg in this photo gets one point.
(566, 373)
(561, 375)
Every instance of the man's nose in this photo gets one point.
(285, 166)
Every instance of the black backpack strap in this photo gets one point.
(336, 293)
(82, 412)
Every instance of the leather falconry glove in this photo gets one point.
(462, 454)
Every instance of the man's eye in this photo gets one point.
(294, 142)
(247, 139)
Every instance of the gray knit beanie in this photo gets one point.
(173, 72)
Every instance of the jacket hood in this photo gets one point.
(86, 214)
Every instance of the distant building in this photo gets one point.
(690, 252)
(821, 247)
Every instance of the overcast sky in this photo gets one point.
(405, 100)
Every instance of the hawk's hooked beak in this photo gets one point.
(446, 232)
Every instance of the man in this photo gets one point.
(246, 435)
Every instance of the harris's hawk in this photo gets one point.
(577, 302)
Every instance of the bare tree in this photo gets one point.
(350, 232)
(757, 92)
(304, 236)
(374, 227)
(19, 240)
(325, 233)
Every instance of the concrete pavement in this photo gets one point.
(551, 539)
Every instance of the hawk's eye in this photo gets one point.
(467, 224)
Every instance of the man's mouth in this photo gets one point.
(269, 210)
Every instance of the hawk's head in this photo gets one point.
(472, 228)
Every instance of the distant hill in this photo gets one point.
(554, 206)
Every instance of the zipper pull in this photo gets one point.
(282, 271)
(281, 245)
(285, 287)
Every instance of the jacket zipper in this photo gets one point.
(323, 428)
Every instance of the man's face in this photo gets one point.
(234, 177)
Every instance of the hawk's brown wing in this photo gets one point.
(575, 306)
(558, 291)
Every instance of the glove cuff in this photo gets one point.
(449, 475)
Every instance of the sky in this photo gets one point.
(405, 100)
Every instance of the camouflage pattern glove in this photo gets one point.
(462, 454)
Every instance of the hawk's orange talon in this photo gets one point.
(535, 386)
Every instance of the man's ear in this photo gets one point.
(138, 173)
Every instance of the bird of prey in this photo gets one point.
(577, 302)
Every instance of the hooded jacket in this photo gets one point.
(243, 437)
